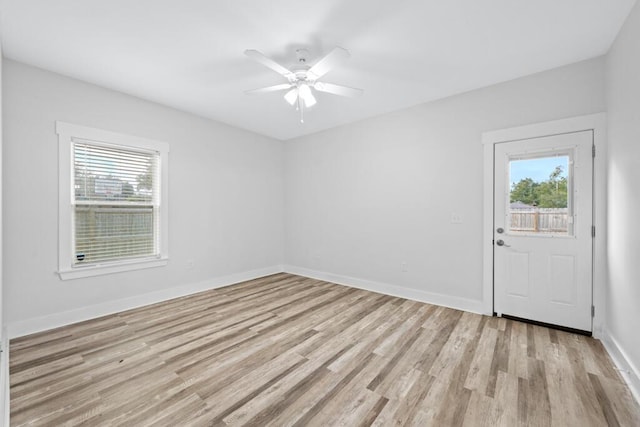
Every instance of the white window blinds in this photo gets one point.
(116, 200)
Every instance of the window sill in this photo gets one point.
(98, 270)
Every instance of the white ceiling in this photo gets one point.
(189, 53)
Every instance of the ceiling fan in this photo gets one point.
(302, 79)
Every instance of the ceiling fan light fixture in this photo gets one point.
(304, 92)
(291, 96)
(309, 100)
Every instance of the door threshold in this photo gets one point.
(549, 325)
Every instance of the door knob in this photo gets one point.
(501, 242)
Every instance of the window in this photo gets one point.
(540, 196)
(113, 202)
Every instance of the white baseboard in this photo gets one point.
(628, 370)
(4, 380)
(38, 324)
(459, 303)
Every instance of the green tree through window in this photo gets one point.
(551, 193)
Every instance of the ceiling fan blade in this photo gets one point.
(268, 89)
(337, 89)
(267, 62)
(332, 59)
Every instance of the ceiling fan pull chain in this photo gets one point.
(301, 110)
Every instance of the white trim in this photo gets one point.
(39, 324)
(629, 372)
(119, 267)
(4, 380)
(594, 122)
(66, 133)
(488, 226)
(457, 303)
(107, 137)
(538, 130)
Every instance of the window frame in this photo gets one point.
(66, 134)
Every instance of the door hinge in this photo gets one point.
(593, 231)
(593, 311)
(593, 150)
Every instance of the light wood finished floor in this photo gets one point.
(287, 350)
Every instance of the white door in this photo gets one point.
(543, 229)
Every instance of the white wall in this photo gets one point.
(4, 341)
(1, 198)
(623, 104)
(226, 195)
(363, 198)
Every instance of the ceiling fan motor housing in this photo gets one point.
(300, 76)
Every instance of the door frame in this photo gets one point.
(593, 122)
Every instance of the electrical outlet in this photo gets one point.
(456, 218)
(404, 267)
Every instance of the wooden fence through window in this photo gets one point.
(540, 220)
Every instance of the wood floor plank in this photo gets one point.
(617, 396)
(500, 360)
(349, 401)
(409, 405)
(374, 412)
(560, 378)
(300, 379)
(287, 350)
(605, 403)
(312, 379)
(518, 350)
(478, 376)
(231, 403)
(292, 395)
(540, 412)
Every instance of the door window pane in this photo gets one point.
(540, 195)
